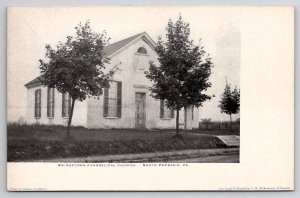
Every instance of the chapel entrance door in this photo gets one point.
(140, 110)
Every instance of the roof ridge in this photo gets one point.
(127, 38)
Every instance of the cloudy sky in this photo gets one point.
(30, 29)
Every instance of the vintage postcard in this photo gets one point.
(158, 98)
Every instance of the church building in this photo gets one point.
(126, 104)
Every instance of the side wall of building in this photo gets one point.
(79, 115)
(192, 118)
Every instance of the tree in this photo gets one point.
(184, 70)
(77, 67)
(230, 101)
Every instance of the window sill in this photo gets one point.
(167, 118)
(139, 54)
(111, 117)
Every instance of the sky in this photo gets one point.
(30, 29)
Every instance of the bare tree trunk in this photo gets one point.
(185, 117)
(70, 119)
(177, 121)
(230, 122)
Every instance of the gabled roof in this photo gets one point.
(109, 51)
(34, 82)
(113, 48)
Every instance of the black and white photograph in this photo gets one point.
(138, 86)
(100, 89)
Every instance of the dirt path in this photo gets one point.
(188, 156)
(208, 159)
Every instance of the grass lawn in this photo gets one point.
(27, 142)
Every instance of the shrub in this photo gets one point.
(206, 120)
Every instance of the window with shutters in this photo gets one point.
(113, 100)
(66, 105)
(165, 112)
(50, 102)
(37, 103)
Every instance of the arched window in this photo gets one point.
(142, 50)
